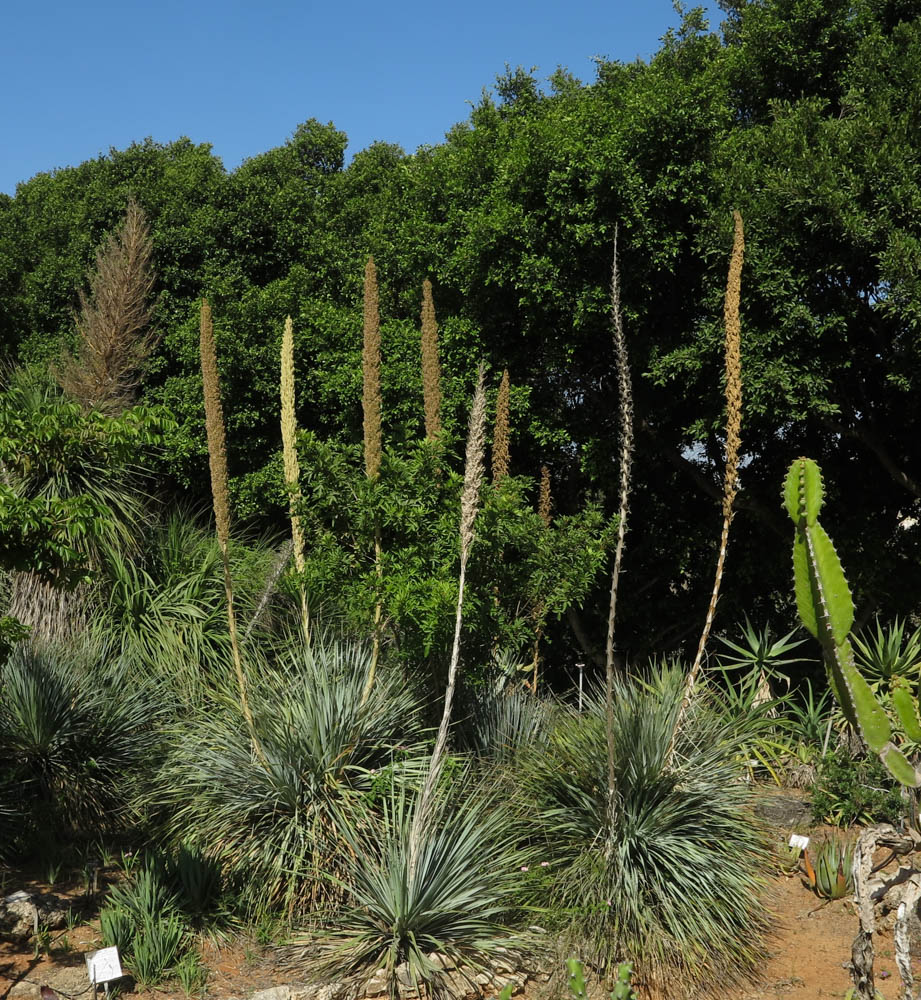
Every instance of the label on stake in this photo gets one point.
(103, 966)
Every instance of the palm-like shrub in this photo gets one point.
(325, 750)
(164, 607)
(414, 922)
(76, 733)
(669, 877)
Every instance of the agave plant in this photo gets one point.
(417, 922)
(272, 821)
(670, 876)
(759, 651)
(886, 652)
(831, 877)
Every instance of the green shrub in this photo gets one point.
(848, 791)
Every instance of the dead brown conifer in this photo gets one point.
(114, 338)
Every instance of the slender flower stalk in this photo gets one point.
(217, 458)
(500, 439)
(544, 507)
(733, 356)
(470, 504)
(431, 369)
(292, 468)
(371, 406)
(371, 373)
(625, 421)
(544, 503)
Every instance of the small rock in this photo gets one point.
(19, 911)
(275, 993)
(482, 979)
(23, 990)
(375, 985)
(782, 810)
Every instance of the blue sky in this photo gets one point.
(79, 78)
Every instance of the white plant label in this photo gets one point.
(798, 840)
(103, 965)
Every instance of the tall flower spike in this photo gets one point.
(371, 372)
(292, 467)
(431, 369)
(500, 440)
(544, 502)
(733, 355)
(217, 458)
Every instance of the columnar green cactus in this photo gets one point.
(623, 989)
(576, 978)
(827, 610)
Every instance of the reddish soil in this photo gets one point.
(809, 952)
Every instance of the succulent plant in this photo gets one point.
(831, 877)
(826, 608)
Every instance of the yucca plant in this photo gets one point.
(270, 822)
(496, 725)
(77, 731)
(670, 874)
(413, 902)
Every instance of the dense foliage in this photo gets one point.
(803, 116)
